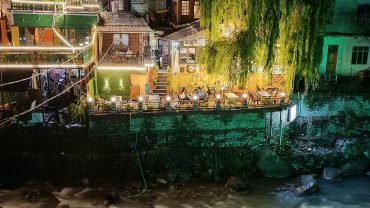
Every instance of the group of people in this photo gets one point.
(199, 92)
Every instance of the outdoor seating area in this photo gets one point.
(197, 99)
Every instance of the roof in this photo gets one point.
(190, 32)
(123, 23)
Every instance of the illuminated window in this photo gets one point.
(120, 42)
(187, 55)
(197, 10)
(360, 54)
(185, 8)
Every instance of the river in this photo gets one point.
(352, 192)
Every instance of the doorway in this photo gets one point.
(331, 63)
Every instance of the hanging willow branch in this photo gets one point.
(246, 34)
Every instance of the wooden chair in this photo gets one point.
(253, 99)
(134, 92)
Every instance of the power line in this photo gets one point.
(24, 79)
(46, 101)
(52, 98)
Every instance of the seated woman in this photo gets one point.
(183, 94)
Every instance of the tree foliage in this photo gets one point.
(246, 34)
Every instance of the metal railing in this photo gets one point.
(43, 57)
(51, 5)
(147, 106)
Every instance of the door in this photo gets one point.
(331, 63)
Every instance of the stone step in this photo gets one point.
(161, 83)
(161, 87)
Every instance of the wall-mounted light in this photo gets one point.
(168, 103)
(113, 99)
(140, 104)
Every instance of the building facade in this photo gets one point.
(347, 39)
(53, 39)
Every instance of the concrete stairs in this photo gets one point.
(161, 88)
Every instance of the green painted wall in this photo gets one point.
(45, 20)
(32, 20)
(115, 82)
(77, 20)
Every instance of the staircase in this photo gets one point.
(161, 84)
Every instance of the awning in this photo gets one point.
(190, 31)
(123, 23)
(123, 29)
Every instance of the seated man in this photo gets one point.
(200, 93)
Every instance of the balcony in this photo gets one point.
(69, 6)
(118, 58)
(45, 59)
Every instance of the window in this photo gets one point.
(187, 55)
(120, 42)
(363, 13)
(360, 54)
(196, 10)
(185, 8)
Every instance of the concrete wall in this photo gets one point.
(344, 18)
(192, 129)
(329, 105)
(344, 58)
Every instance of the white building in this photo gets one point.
(347, 39)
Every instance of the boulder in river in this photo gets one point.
(354, 167)
(272, 165)
(305, 185)
(235, 184)
(332, 174)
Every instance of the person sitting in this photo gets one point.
(200, 93)
(130, 52)
(183, 94)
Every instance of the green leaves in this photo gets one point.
(248, 34)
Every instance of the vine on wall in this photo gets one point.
(244, 35)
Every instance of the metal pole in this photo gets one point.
(281, 129)
(270, 136)
(2, 90)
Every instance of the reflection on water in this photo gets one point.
(353, 192)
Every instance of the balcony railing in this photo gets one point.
(7, 59)
(150, 106)
(114, 57)
(58, 5)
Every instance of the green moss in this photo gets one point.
(244, 35)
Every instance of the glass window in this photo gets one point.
(187, 55)
(196, 10)
(360, 54)
(120, 42)
(185, 8)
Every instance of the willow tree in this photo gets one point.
(245, 34)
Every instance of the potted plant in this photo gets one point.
(77, 110)
(169, 69)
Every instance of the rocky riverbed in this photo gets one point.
(262, 192)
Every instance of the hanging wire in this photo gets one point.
(3, 122)
(21, 80)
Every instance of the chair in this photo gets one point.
(258, 88)
(134, 92)
(253, 99)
